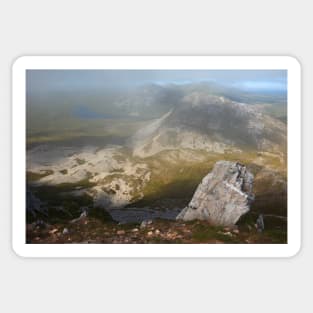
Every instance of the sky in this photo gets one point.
(59, 80)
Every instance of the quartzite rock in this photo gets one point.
(223, 196)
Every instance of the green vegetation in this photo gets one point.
(179, 178)
(31, 176)
(69, 129)
(80, 161)
(61, 203)
(278, 111)
(203, 233)
(100, 214)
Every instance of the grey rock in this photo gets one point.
(260, 223)
(65, 231)
(223, 196)
(83, 215)
(40, 224)
(145, 223)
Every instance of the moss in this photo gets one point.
(203, 233)
(31, 176)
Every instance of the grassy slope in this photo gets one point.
(69, 128)
(179, 178)
(176, 178)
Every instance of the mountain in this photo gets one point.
(213, 124)
(148, 148)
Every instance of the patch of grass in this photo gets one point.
(274, 202)
(80, 161)
(203, 233)
(54, 192)
(58, 196)
(276, 235)
(100, 214)
(31, 176)
(172, 177)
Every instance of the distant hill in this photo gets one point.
(211, 123)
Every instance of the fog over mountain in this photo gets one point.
(55, 94)
(65, 80)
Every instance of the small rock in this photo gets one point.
(65, 231)
(84, 213)
(82, 216)
(219, 242)
(145, 223)
(150, 233)
(236, 231)
(260, 223)
(157, 232)
(135, 230)
(228, 233)
(120, 232)
(53, 231)
(40, 224)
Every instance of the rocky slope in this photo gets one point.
(211, 123)
(108, 175)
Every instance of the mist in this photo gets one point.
(46, 81)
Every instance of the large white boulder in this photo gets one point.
(223, 196)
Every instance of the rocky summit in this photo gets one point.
(223, 196)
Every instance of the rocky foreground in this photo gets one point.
(219, 212)
(90, 230)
